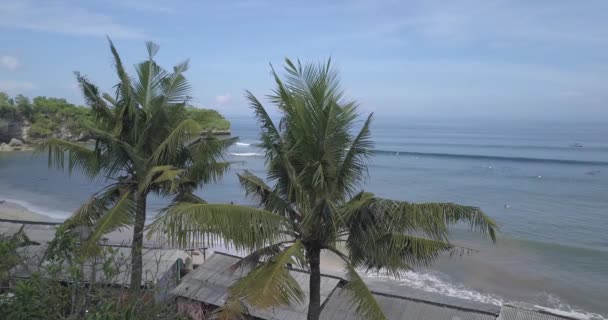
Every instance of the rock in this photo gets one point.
(5, 147)
(15, 142)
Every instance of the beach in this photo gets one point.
(13, 211)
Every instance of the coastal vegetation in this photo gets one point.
(47, 117)
(45, 294)
(311, 202)
(144, 143)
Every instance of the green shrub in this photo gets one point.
(207, 118)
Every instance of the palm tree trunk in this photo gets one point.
(138, 242)
(314, 305)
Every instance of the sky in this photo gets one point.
(452, 59)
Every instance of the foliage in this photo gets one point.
(316, 164)
(208, 118)
(60, 290)
(8, 251)
(48, 116)
(145, 143)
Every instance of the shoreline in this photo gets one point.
(14, 211)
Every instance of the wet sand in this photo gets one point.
(13, 211)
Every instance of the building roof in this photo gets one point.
(209, 283)
(35, 231)
(157, 263)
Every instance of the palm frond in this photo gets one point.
(94, 99)
(361, 297)
(368, 214)
(266, 197)
(251, 260)
(175, 87)
(270, 284)
(94, 208)
(434, 219)
(170, 149)
(233, 309)
(79, 157)
(397, 252)
(354, 165)
(239, 226)
(167, 176)
(125, 81)
(121, 215)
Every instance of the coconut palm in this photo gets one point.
(143, 144)
(312, 203)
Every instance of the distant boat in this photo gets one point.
(577, 145)
(592, 173)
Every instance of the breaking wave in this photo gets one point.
(246, 154)
(432, 282)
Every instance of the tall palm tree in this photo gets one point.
(143, 143)
(313, 203)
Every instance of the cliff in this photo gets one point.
(43, 118)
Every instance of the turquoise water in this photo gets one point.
(546, 184)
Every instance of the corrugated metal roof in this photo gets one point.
(209, 283)
(36, 232)
(511, 312)
(157, 263)
(339, 307)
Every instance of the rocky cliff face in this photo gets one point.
(14, 128)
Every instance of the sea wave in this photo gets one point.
(560, 308)
(246, 154)
(489, 157)
(56, 214)
(242, 144)
(431, 282)
(434, 283)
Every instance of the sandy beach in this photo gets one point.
(13, 211)
(331, 264)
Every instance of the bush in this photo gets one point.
(60, 290)
(207, 118)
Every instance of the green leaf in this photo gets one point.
(361, 297)
(243, 227)
(79, 157)
(270, 284)
(121, 215)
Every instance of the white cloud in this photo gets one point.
(12, 86)
(60, 17)
(465, 21)
(9, 63)
(223, 99)
(152, 6)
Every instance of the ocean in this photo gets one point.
(546, 184)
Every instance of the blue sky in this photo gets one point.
(479, 58)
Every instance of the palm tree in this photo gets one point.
(143, 143)
(315, 167)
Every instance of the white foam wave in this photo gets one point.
(431, 282)
(56, 214)
(246, 154)
(560, 308)
(242, 144)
